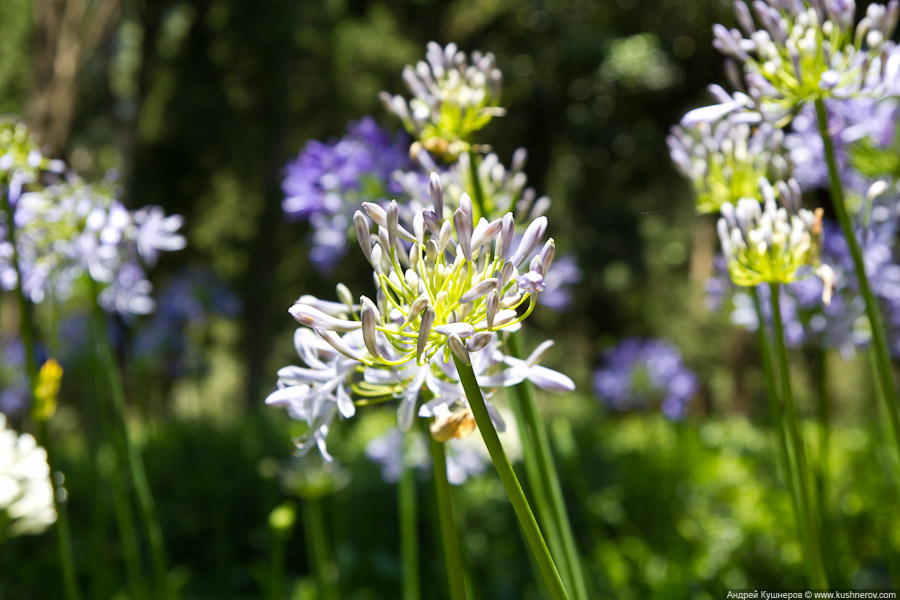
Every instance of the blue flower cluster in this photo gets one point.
(328, 181)
(850, 121)
(14, 393)
(189, 300)
(644, 373)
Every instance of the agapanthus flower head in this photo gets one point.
(796, 51)
(502, 189)
(640, 374)
(72, 228)
(444, 287)
(21, 160)
(726, 159)
(768, 243)
(453, 96)
(26, 494)
(841, 323)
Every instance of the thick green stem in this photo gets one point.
(823, 412)
(536, 486)
(132, 456)
(276, 573)
(776, 412)
(885, 369)
(449, 535)
(63, 535)
(814, 560)
(320, 549)
(510, 482)
(108, 460)
(409, 531)
(549, 484)
(476, 187)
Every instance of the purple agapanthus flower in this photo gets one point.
(329, 180)
(188, 301)
(14, 395)
(644, 373)
(559, 281)
(849, 122)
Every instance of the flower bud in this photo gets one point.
(463, 223)
(376, 213)
(416, 308)
(419, 227)
(506, 272)
(491, 303)
(432, 222)
(424, 331)
(361, 226)
(446, 234)
(370, 320)
(478, 290)
(479, 341)
(393, 223)
(437, 194)
(344, 295)
(530, 239)
(461, 329)
(507, 231)
(485, 232)
(377, 259)
(316, 319)
(335, 341)
(459, 349)
(465, 205)
(548, 252)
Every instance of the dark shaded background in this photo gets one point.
(199, 105)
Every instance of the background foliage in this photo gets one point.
(199, 105)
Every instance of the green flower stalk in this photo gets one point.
(884, 368)
(444, 289)
(774, 245)
(21, 163)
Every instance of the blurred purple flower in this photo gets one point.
(188, 300)
(14, 397)
(558, 283)
(849, 121)
(328, 181)
(641, 373)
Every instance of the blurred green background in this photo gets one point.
(199, 105)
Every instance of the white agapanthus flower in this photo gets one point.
(26, 493)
